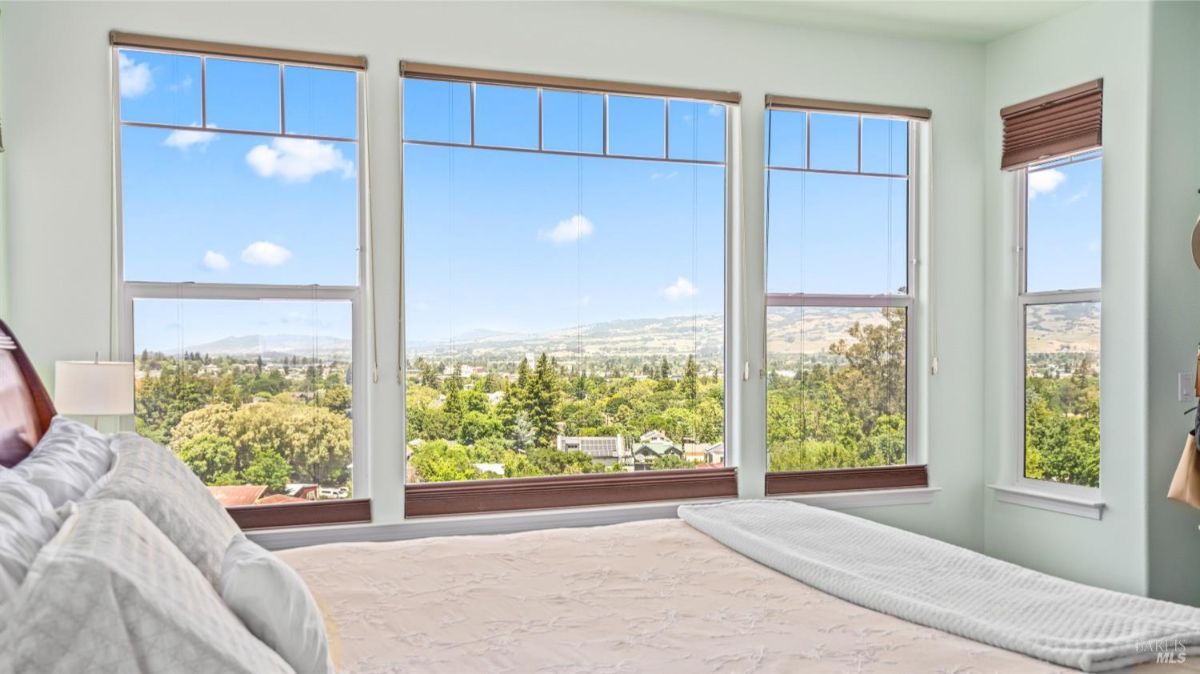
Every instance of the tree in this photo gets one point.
(477, 426)
(542, 402)
(211, 457)
(689, 383)
(268, 468)
(337, 399)
(454, 407)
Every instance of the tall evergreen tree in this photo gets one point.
(542, 402)
(690, 385)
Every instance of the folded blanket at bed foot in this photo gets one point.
(953, 589)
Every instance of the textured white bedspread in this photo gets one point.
(654, 596)
(947, 587)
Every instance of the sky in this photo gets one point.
(516, 242)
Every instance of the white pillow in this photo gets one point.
(151, 477)
(275, 604)
(67, 461)
(110, 593)
(27, 523)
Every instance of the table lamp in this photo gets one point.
(93, 388)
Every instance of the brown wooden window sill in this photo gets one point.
(566, 491)
(847, 479)
(315, 513)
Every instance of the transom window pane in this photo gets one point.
(506, 116)
(836, 387)
(242, 95)
(636, 126)
(572, 121)
(786, 138)
(321, 102)
(834, 140)
(884, 146)
(697, 131)
(159, 88)
(437, 111)
(255, 396)
(1063, 202)
(1062, 393)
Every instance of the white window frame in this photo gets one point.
(907, 301)
(1072, 498)
(127, 292)
(733, 371)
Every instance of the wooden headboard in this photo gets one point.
(25, 406)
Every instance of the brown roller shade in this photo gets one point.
(786, 102)
(1053, 125)
(133, 40)
(440, 72)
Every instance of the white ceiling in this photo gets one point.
(964, 20)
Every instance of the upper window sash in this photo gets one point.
(467, 103)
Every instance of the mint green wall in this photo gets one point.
(1109, 40)
(1174, 327)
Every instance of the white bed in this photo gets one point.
(655, 596)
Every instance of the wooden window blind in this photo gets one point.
(136, 41)
(777, 102)
(1053, 125)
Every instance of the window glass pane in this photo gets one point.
(321, 102)
(697, 131)
(230, 208)
(249, 394)
(831, 233)
(1062, 393)
(437, 111)
(786, 138)
(834, 141)
(242, 95)
(885, 146)
(159, 88)
(551, 329)
(506, 116)
(636, 126)
(1064, 222)
(572, 121)
(836, 387)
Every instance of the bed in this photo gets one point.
(651, 596)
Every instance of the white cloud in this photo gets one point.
(266, 253)
(184, 139)
(1045, 181)
(134, 77)
(663, 176)
(297, 160)
(572, 229)
(215, 261)
(680, 289)
(182, 85)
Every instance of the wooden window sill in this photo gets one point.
(847, 479)
(315, 513)
(567, 491)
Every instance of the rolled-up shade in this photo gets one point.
(442, 72)
(785, 102)
(133, 40)
(1053, 125)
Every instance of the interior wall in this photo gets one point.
(1174, 280)
(57, 109)
(1109, 40)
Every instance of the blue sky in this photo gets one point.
(512, 241)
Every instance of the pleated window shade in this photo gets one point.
(1057, 124)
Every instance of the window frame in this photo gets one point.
(1024, 299)
(563, 491)
(912, 473)
(353, 510)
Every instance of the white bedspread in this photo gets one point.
(950, 588)
(654, 596)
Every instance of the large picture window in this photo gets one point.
(840, 295)
(240, 213)
(564, 281)
(1060, 312)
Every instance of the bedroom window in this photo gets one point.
(1059, 304)
(841, 269)
(240, 266)
(564, 288)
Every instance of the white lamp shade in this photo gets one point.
(91, 388)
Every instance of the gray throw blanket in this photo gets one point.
(949, 588)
